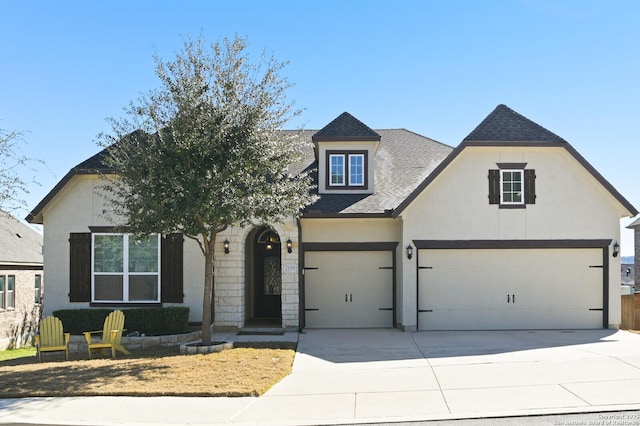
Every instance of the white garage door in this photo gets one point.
(493, 289)
(348, 289)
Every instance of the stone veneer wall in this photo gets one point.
(25, 316)
(79, 343)
(230, 283)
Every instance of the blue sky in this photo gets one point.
(434, 67)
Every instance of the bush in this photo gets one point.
(150, 321)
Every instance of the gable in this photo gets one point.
(505, 128)
(570, 203)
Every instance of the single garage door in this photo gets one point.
(348, 289)
(494, 289)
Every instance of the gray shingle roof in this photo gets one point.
(506, 125)
(404, 164)
(634, 224)
(19, 244)
(346, 128)
(404, 159)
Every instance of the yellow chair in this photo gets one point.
(52, 338)
(111, 335)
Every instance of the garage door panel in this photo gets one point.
(348, 289)
(469, 289)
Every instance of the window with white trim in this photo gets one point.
(356, 169)
(3, 304)
(38, 289)
(511, 186)
(336, 170)
(11, 292)
(125, 269)
(346, 169)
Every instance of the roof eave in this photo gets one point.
(35, 216)
(315, 139)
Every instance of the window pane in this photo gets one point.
(512, 186)
(108, 253)
(2, 303)
(143, 287)
(38, 285)
(336, 170)
(11, 294)
(143, 255)
(108, 287)
(356, 169)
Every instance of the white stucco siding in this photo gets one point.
(350, 230)
(75, 208)
(570, 204)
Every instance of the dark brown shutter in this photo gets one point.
(529, 186)
(172, 273)
(494, 186)
(80, 267)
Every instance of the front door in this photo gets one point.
(268, 276)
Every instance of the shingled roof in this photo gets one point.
(506, 125)
(403, 160)
(346, 128)
(19, 244)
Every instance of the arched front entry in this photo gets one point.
(264, 283)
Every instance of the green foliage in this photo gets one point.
(204, 151)
(14, 165)
(150, 321)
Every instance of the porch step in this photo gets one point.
(261, 331)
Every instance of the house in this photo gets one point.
(627, 274)
(21, 281)
(512, 229)
(635, 225)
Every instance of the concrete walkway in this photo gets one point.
(372, 376)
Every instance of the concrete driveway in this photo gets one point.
(349, 376)
(373, 376)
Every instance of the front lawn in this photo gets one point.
(248, 371)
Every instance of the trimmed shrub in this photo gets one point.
(150, 321)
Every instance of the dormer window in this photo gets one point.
(346, 169)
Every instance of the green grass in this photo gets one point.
(17, 353)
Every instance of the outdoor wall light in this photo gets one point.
(289, 246)
(226, 246)
(409, 251)
(616, 249)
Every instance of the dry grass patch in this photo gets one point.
(246, 371)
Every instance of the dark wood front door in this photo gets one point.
(268, 281)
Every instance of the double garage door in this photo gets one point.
(493, 289)
(348, 289)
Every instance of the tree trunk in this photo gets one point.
(207, 306)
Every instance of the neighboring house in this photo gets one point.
(21, 281)
(635, 225)
(627, 274)
(513, 229)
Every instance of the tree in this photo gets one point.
(13, 165)
(204, 151)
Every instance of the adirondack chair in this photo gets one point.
(111, 335)
(52, 338)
